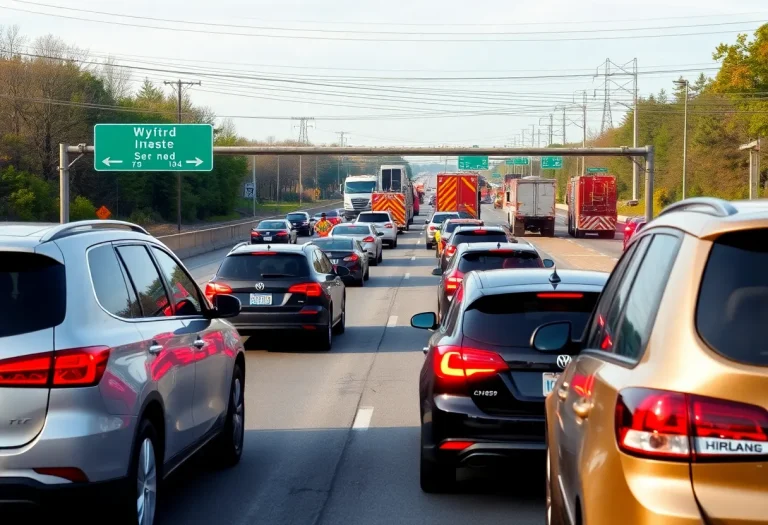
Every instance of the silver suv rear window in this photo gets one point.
(732, 312)
(33, 293)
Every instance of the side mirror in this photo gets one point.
(365, 250)
(424, 321)
(380, 234)
(552, 337)
(437, 271)
(548, 263)
(341, 271)
(225, 306)
(426, 221)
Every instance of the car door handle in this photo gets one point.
(562, 392)
(199, 343)
(155, 348)
(582, 408)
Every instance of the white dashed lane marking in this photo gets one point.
(363, 418)
(392, 321)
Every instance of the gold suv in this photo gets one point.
(662, 418)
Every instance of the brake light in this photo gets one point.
(480, 232)
(255, 234)
(456, 445)
(582, 384)
(308, 289)
(560, 295)
(388, 225)
(453, 281)
(673, 425)
(454, 365)
(351, 258)
(627, 228)
(450, 250)
(432, 228)
(213, 289)
(368, 239)
(75, 475)
(282, 234)
(75, 367)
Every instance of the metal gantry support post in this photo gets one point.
(253, 176)
(650, 160)
(63, 183)
(754, 168)
(635, 166)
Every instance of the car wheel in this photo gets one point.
(140, 492)
(428, 245)
(325, 337)
(381, 254)
(341, 326)
(367, 273)
(373, 262)
(228, 446)
(435, 477)
(394, 245)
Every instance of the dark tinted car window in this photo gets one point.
(110, 283)
(643, 301)
(732, 312)
(510, 319)
(272, 225)
(33, 293)
(332, 213)
(440, 218)
(450, 226)
(296, 217)
(471, 236)
(496, 261)
(333, 244)
(351, 230)
(373, 217)
(186, 298)
(249, 267)
(141, 270)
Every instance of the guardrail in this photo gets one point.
(196, 242)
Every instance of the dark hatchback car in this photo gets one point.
(347, 252)
(480, 257)
(300, 221)
(277, 231)
(284, 288)
(482, 386)
(472, 235)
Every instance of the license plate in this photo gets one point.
(261, 299)
(267, 239)
(549, 379)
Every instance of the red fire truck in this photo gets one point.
(591, 201)
(458, 192)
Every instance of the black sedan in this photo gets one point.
(482, 386)
(483, 256)
(347, 252)
(471, 235)
(274, 232)
(284, 288)
(300, 221)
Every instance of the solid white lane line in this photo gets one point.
(392, 321)
(407, 276)
(363, 418)
(413, 258)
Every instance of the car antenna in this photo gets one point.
(554, 278)
(269, 247)
(498, 245)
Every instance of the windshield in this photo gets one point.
(351, 230)
(373, 217)
(360, 186)
(499, 260)
(483, 236)
(255, 267)
(510, 319)
(439, 218)
(451, 226)
(333, 244)
(296, 217)
(271, 225)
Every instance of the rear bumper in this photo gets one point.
(18, 495)
(494, 437)
(275, 240)
(258, 321)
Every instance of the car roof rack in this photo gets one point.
(238, 245)
(708, 205)
(73, 228)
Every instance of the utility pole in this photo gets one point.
(178, 86)
(584, 128)
(754, 167)
(277, 206)
(551, 126)
(301, 188)
(684, 83)
(607, 122)
(304, 124)
(342, 143)
(316, 174)
(253, 176)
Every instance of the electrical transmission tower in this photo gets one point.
(342, 141)
(304, 124)
(607, 117)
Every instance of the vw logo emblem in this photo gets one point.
(563, 360)
(260, 286)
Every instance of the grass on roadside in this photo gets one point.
(271, 207)
(636, 211)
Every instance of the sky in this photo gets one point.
(426, 72)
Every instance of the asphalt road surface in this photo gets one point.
(334, 437)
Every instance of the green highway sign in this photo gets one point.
(518, 161)
(551, 163)
(473, 162)
(153, 147)
(597, 170)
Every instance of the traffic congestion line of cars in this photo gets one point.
(645, 389)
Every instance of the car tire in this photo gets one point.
(374, 261)
(554, 509)
(436, 478)
(228, 446)
(325, 338)
(394, 245)
(139, 494)
(367, 273)
(341, 326)
(381, 255)
(428, 245)
(361, 282)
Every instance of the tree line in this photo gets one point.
(51, 92)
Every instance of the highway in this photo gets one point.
(333, 437)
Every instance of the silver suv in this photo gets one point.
(114, 368)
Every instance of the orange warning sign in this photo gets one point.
(103, 213)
